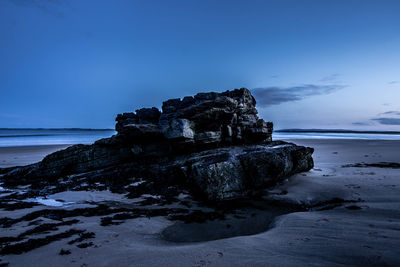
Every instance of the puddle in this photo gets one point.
(4, 192)
(136, 183)
(248, 221)
(49, 202)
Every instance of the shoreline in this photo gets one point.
(353, 220)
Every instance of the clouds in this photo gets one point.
(278, 95)
(388, 121)
(392, 112)
(361, 123)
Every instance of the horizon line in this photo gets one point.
(286, 130)
(43, 128)
(317, 130)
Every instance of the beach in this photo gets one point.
(199, 133)
(352, 217)
(24, 155)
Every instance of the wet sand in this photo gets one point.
(353, 220)
(24, 155)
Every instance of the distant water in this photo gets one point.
(35, 137)
(316, 135)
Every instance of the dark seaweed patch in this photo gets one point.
(85, 245)
(390, 165)
(64, 252)
(31, 244)
(43, 228)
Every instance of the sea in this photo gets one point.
(37, 137)
(334, 135)
(40, 137)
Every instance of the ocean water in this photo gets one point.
(32, 137)
(314, 135)
(36, 137)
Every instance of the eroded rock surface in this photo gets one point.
(212, 143)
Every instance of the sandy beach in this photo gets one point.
(24, 155)
(199, 133)
(339, 213)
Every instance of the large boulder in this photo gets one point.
(236, 172)
(212, 143)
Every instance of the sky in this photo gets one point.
(310, 64)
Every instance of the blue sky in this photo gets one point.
(310, 64)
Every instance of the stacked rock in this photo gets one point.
(142, 116)
(205, 120)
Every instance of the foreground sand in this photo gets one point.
(358, 223)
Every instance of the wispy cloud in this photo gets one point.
(393, 82)
(278, 95)
(361, 123)
(392, 112)
(388, 121)
(53, 7)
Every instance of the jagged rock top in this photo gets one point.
(242, 96)
(210, 118)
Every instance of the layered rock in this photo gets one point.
(227, 118)
(212, 143)
(239, 171)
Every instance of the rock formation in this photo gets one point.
(213, 144)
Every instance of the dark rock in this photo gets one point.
(177, 129)
(235, 172)
(212, 143)
(353, 207)
(140, 132)
(148, 115)
(124, 119)
(85, 245)
(64, 252)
